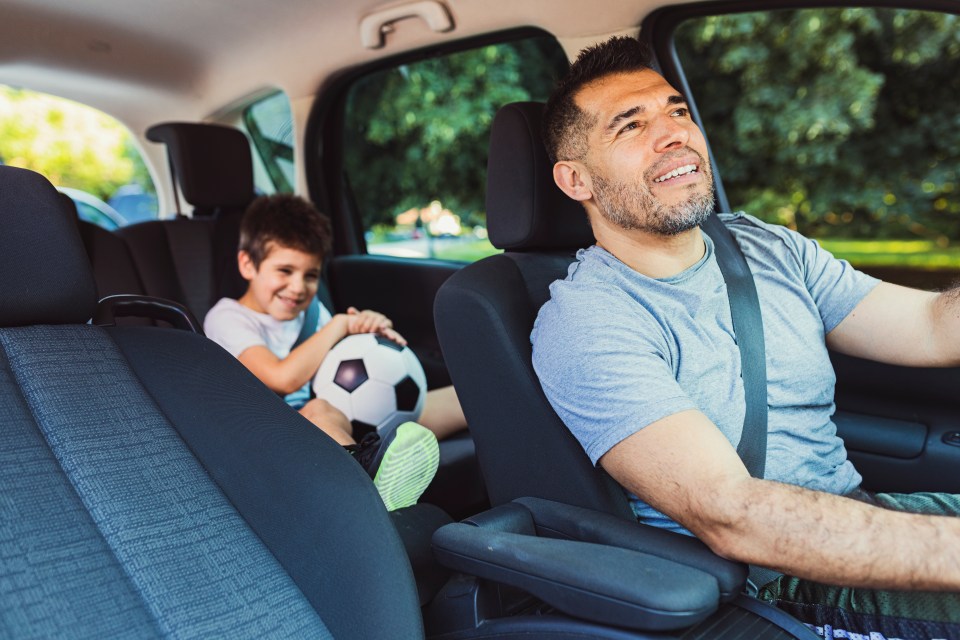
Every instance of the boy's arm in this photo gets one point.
(289, 374)
(683, 466)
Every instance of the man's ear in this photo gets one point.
(245, 263)
(573, 179)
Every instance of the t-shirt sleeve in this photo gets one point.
(606, 381)
(232, 329)
(834, 284)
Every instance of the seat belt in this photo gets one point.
(310, 318)
(748, 332)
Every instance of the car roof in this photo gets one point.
(144, 61)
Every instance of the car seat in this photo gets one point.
(153, 487)
(485, 314)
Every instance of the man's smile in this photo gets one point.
(675, 173)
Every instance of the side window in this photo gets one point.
(85, 153)
(415, 144)
(840, 123)
(269, 123)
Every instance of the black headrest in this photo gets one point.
(212, 162)
(526, 210)
(46, 275)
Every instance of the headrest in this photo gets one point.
(212, 162)
(526, 210)
(47, 278)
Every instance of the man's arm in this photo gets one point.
(683, 466)
(902, 326)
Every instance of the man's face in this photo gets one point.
(283, 285)
(646, 158)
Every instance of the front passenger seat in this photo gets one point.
(152, 487)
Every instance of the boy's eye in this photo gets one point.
(285, 270)
(311, 277)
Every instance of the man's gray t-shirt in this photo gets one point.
(616, 351)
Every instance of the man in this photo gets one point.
(660, 405)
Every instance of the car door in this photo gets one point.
(840, 122)
(401, 168)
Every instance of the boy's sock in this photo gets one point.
(402, 464)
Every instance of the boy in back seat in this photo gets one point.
(283, 241)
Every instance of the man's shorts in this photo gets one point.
(865, 614)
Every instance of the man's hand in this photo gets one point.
(683, 466)
(368, 321)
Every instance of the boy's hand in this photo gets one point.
(368, 321)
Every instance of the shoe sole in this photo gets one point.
(409, 463)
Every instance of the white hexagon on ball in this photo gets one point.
(373, 381)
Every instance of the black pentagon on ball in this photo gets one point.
(407, 394)
(350, 375)
(387, 342)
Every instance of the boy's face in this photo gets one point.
(283, 285)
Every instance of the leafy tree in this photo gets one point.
(834, 121)
(72, 145)
(419, 132)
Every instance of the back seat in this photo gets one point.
(193, 261)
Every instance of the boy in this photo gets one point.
(283, 240)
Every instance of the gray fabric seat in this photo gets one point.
(153, 487)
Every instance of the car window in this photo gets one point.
(415, 144)
(840, 123)
(88, 154)
(269, 123)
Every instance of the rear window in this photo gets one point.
(269, 123)
(415, 144)
(87, 154)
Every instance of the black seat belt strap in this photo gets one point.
(748, 331)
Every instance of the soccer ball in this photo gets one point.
(376, 382)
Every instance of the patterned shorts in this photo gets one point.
(865, 614)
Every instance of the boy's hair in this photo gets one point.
(565, 125)
(288, 221)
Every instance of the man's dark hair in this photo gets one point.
(288, 221)
(565, 125)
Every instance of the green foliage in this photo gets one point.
(419, 132)
(72, 145)
(836, 122)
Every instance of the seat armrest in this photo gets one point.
(557, 520)
(606, 584)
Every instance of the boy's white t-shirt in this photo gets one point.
(236, 328)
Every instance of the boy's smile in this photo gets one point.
(283, 285)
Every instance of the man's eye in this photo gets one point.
(630, 126)
(683, 112)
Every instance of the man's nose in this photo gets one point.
(670, 133)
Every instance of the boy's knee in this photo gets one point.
(320, 411)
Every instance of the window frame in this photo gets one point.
(323, 140)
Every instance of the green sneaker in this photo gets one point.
(404, 464)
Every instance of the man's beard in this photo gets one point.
(634, 207)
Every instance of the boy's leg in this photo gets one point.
(402, 464)
(843, 612)
(442, 413)
(330, 420)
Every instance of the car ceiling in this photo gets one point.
(144, 61)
